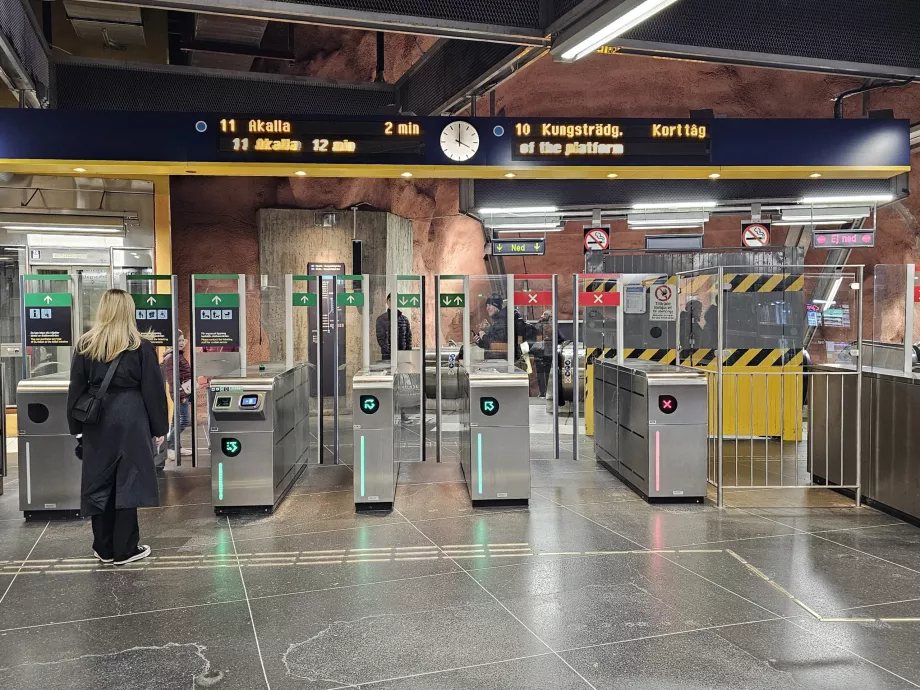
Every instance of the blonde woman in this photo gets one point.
(114, 365)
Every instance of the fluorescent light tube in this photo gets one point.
(520, 209)
(832, 295)
(808, 215)
(551, 228)
(523, 226)
(618, 26)
(865, 198)
(63, 229)
(676, 204)
(805, 222)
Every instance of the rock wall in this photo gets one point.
(214, 218)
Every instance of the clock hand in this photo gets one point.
(463, 143)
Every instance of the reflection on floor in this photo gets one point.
(587, 588)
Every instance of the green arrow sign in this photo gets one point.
(147, 301)
(488, 406)
(452, 299)
(350, 299)
(369, 404)
(231, 447)
(409, 300)
(48, 299)
(224, 300)
(304, 299)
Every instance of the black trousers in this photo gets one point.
(115, 531)
(543, 367)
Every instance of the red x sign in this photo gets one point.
(917, 294)
(599, 299)
(533, 299)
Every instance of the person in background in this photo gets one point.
(185, 390)
(403, 332)
(543, 351)
(494, 339)
(118, 475)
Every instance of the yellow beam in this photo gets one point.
(546, 172)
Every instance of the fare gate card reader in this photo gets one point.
(374, 438)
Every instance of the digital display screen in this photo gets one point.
(249, 401)
(254, 139)
(599, 141)
(519, 247)
(825, 239)
(222, 402)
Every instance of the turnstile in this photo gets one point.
(49, 471)
(495, 432)
(260, 435)
(651, 427)
(374, 440)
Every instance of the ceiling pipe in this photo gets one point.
(838, 100)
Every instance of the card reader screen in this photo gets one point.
(249, 401)
(223, 402)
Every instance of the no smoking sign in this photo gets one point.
(596, 239)
(755, 235)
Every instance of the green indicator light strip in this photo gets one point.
(479, 448)
(362, 467)
(351, 277)
(451, 277)
(216, 276)
(303, 277)
(220, 481)
(408, 277)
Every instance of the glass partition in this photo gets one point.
(409, 333)
(48, 323)
(11, 350)
(894, 344)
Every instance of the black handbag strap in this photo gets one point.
(100, 394)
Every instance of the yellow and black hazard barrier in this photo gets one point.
(764, 282)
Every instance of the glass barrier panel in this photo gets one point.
(11, 349)
(48, 323)
(488, 307)
(451, 315)
(410, 420)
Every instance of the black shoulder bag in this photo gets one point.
(88, 407)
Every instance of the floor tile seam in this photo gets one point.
(252, 618)
(511, 511)
(595, 522)
(23, 564)
(675, 633)
(445, 670)
(851, 652)
(507, 610)
(884, 603)
(846, 546)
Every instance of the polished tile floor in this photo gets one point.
(587, 588)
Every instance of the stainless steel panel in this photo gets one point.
(374, 439)
(43, 395)
(500, 462)
(673, 472)
(274, 434)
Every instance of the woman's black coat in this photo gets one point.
(118, 451)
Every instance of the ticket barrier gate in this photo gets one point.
(651, 427)
(375, 469)
(49, 470)
(495, 432)
(260, 435)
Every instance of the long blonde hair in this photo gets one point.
(115, 330)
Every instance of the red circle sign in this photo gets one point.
(755, 235)
(663, 293)
(596, 239)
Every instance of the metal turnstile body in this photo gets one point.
(260, 435)
(495, 432)
(374, 419)
(651, 427)
(49, 471)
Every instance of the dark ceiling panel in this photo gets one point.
(867, 32)
(94, 85)
(523, 13)
(625, 193)
(450, 70)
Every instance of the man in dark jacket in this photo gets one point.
(495, 338)
(403, 332)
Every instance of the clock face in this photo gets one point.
(459, 141)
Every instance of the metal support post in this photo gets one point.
(509, 313)
(909, 318)
(335, 370)
(576, 371)
(719, 407)
(366, 323)
(421, 385)
(177, 354)
(3, 430)
(859, 384)
(557, 388)
(288, 321)
(621, 338)
(193, 360)
(241, 288)
(437, 367)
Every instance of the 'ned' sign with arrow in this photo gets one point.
(153, 314)
(519, 248)
(217, 319)
(409, 300)
(48, 318)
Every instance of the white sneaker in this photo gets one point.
(185, 452)
(171, 454)
(142, 552)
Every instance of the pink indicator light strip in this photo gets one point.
(657, 461)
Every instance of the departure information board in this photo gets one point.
(567, 141)
(258, 139)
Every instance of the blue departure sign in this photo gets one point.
(231, 447)
(488, 406)
(369, 404)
